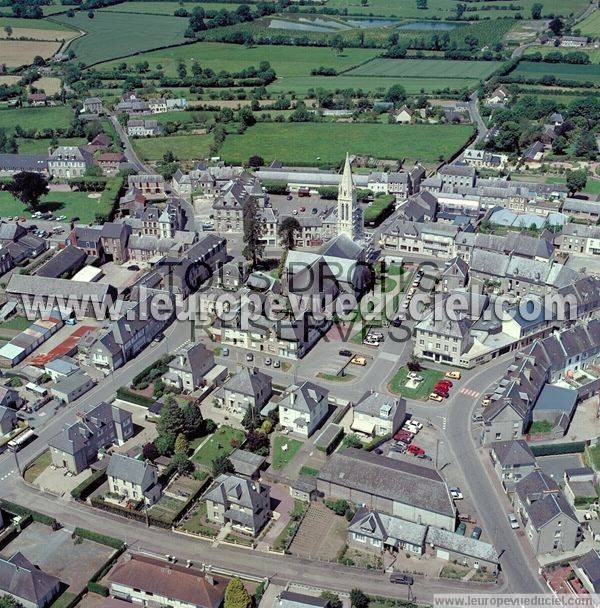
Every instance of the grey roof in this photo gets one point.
(7, 414)
(304, 398)
(67, 259)
(245, 462)
(20, 578)
(379, 405)
(127, 469)
(556, 399)
(465, 545)
(387, 528)
(71, 383)
(590, 564)
(231, 488)
(542, 499)
(289, 599)
(342, 246)
(23, 162)
(63, 366)
(395, 480)
(513, 453)
(248, 382)
(71, 154)
(460, 170)
(44, 286)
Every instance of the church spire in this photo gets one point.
(347, 183)
(347, 210)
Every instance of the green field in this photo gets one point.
(111, 35)
(166, 8)
(426, 68)
(70, 204)
(315, 143)
(285, 60)
(218, 444)
(591, 25)
(35, 24)
(57, 117)
(40, 146)
(185, 147)
(593, 54)
(562, 71)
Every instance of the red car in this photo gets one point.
(415, 450)
(404, 436)
(441, 387)
(441, 392)
(448, 383)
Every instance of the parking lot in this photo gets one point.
(58, 554)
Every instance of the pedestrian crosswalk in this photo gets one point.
(469, 392)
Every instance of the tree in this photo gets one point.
(337, 43)
(28, 188)
(267, 426)
(288, 228)
(149, 452)
(358, 599)
(556, 26)
(165, 443)
(181, 462)
(585, 145)
(414, 365)
(221, 465)
(236, 595)
(576, 180)
(396, 94)
(90, 14)
(193, 421)
(246, 116)
(333, 599)
(172, 419)
(181, 444)
(257, 442)
(8, 30)
(254, 246)
(559, 145)
(256, 161)
(536, 10)
(6, 601)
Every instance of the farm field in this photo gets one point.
(9, 80)
(166, 8)
(40, 146)
(38, 24)
(426, 68)
(48, 84)
(185, 147)
(314, 143)
(111, 35)
(593, 54)
(36, 118)
(377, 84)
(16, 53)
(285, 60)
(562, 71)
(591, 25)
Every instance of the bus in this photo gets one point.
(20, 441)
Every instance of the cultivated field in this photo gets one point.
(15, 53)
(39, 34)
(285, 60)
(591, 25)
(6, 79)
(375, 84)
(426, 68)
(315, 143)
(40, 24)
(167, 8)
(111, 35)
(36, 118)
(562, 71)
(48, 84)
(593, 54)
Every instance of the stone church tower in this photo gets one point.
(349, 215)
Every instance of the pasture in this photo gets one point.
(285, 60)
(327, 143)
(40, 24)
(41, 146)
(49, 84)
(426, 68)
(562, 71)
(376, 84)
(185, 147)
(593, 54)
(15, 53)
(167, 8)
(591, 25)
(57, 117)
(110, 35)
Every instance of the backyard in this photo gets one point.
(425, 387)
(281, 456)
(221, 443)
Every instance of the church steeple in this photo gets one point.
(346, 187)
(346, 206)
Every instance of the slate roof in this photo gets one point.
(231, 488)
(245, 462)
(248, 382)
(127, 469)
(387, 528)
(44, 286)
(379, 405)
(20, 578)
(395, 480)
(590, 564)
(23, 162)
(289, 599)
(304, 398)
(471, 547)
(513, 453)
(67, 259)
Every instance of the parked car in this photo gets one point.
(71, 321)
(410, 429)
(415, 422)
(345, 353)
(441, 392)
(249, 357)
(435, 397)
(289, 197)
(268, 361)
(302, 209)
(486, 401)
(276, 363)
(513, 521)
(358, 360)
(477, 417)
(454, 374)
(403, 435)
(401, 579)
(378, 451)
(476, 534)
(415, 450)
(462, 528)
(456, 493)
(448, 383)
(423, 457)
(225, 352)
(159, 337)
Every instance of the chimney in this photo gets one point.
(209, 579)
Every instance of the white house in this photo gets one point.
(303, 408)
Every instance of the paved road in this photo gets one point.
(475, 116)
(130, 153)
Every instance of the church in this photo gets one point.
(349, 214)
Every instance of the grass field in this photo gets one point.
(111, 35)
(36, 118)
(285, 60)
(38, 24)
(374, 84)
(40, 146)
(430, 377)
(16, 53)
(219, 444)
(563, 71)
(593, 54)
(426, 68)
(48, 84)
(591, 25)
(185, 147)
(283, 457)
(70, 204)
(310, 143)
(166, 8)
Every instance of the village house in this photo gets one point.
(249, 390)
(110, 162)
(92, 105)
(513, 460)
(378, 415)
(144, 128)
(133, 479)
(191, 362)
(69, 162)
(303, 408)
(37, 99)
(404, 115)
(27, 584)
(151, 187)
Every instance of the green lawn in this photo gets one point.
(185, 147)
(40, 464)
(57, 117)
(430, 377)
(313, 143)
(593, 456)
(16, 323)
(427, 68)
(304, 470)
(196, 522)
(375, 84)
(592, 186)
(285, 60)
(280, 457)
(374, 212)
(64, 599)
(219, 444)
(591, 25)
(70, 204)
(111, 35)
(41, 146)
(540, 426)
(334, 377)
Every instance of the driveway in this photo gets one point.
(282, 504)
